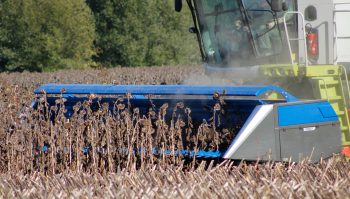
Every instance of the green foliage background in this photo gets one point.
(44, 35)
(41, 35)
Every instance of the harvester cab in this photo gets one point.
(295, 44)
(287, 43)
(239, 33)
(248, 33)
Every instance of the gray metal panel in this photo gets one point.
(294, 103)
(261, 143)
(300, 141)
(341, 17)
(267, 141)
(325, 27)
(314, 141)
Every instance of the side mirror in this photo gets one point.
(193, 30)
(178, 5)
(310, 13)
(276, 5)
(284, 6)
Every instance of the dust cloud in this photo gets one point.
(234, 76)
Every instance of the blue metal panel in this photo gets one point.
(192, 153)
(232, 115)
(236, 110)
(327, 111)
(307, 113)
(203, 90)
(155, 151)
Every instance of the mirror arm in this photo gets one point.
(178, 5)
(276, 5)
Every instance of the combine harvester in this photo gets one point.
(291, 43)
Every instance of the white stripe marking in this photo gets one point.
(257, 116)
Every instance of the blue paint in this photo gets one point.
(307, 113)
(45, 148)
(141, 90)
(86, 150)
(327, 111)
(198, 98)
(239, 103)
(155, 151)
(190, 154)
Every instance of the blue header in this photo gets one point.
(306, 113)
(111, 89)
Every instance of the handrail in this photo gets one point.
(162, 90)
(347, 84)
(298, 39)
(336, 37)
(325, 86)
(348, 92)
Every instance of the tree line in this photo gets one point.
(42, 35)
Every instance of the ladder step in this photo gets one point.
(344, 128)
(330, 82)
(296, 39)
(340, 113)
(336, 11)
(343, 37)
(333, 98)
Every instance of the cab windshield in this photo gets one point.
(238, 32)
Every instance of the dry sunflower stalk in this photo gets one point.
(96, 153)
